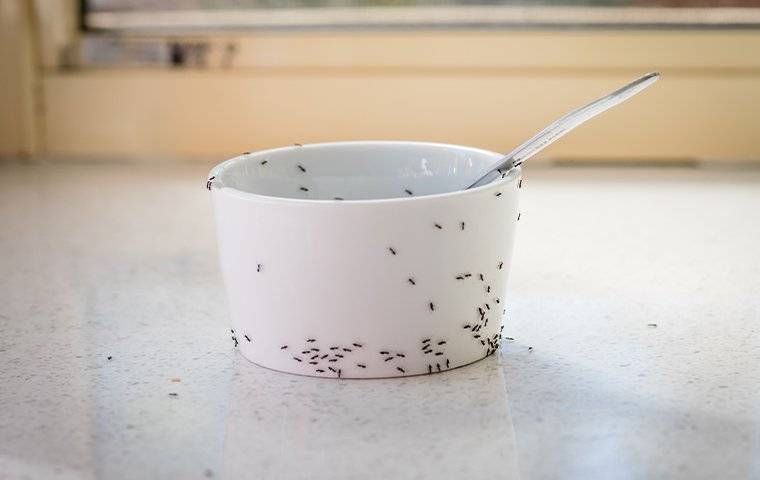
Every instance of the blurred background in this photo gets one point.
(100, 80)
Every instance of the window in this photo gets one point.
(215, 15)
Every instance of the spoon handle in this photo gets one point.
(562, 125)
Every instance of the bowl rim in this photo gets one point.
(512, 175)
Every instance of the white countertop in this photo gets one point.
(120, 261)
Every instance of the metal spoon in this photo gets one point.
(561, 126)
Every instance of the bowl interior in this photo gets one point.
(355, 170)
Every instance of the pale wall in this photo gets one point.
(490, 89)
(17, 118)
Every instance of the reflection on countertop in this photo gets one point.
(435, 426)
(635, 288)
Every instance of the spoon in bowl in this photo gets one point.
(561, 126)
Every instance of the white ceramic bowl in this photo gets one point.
(364, 259)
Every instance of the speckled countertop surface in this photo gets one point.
(119, 261)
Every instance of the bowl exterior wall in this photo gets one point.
(367, 289)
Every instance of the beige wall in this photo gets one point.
(17, 81)
(210, 114)
(490, 89)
